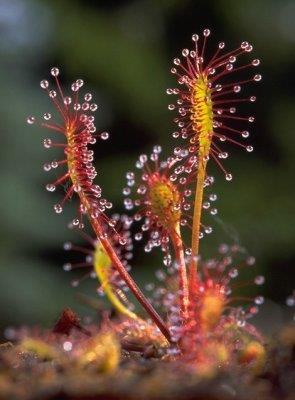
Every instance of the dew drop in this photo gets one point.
(147, 248)
(92, 129)
(67, 100)
(249, 149)
(126, 191)
(57, 208)
(85, 106)
(142, 190)
(112, 223)
(47, 167)
(50, 187)
(54, 71)
(213, 197)
(233, 273)
(139, 165)
(47, 116)
(130, 175)
(157, 149)
(249, 48)
(250, 260)
(257, 77)
(259, 280)
(88, 97)
(185, 52)
(67, 267)
(223, 248)
(67, 346)
(93, 107)
(160, 275)
(44, 84)
(259, 300)
(80, 82)
(208, 230)
(31, 120)
(47, 143)
(104, 135)
(122, 241)
(188, 251)
(228, 177)
(138, 236)
(167, 260)
(143, 159)
(109, 205)
(52, 94)
(67, 246)
(290, 301)
(75, 87)
(241, 323)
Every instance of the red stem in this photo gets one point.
(183, 282)
(123, 273)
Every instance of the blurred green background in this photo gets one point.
(124, 50)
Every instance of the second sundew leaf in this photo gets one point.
(162, 201)
(207, 113)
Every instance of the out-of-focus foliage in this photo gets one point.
(123, 49)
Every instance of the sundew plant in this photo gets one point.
(195, 314)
